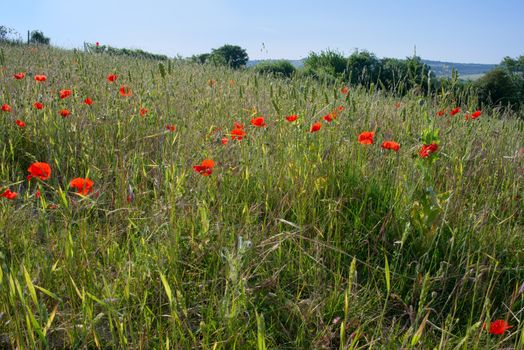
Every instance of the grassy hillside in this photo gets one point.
(292, 240)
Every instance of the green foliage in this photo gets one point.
(38, 37)
(326, 63)
(113, 51)
(281, 68)
(201, 59)
(503, 85)
(232, 55)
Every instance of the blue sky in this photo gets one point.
(481, 31)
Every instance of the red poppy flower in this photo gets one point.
(40, 78)
(427, 150)
(498, 327)
(397, 105)
(19, 76)
(143, 111)
(328, 117)
(366, 137)
(258, 122)
(292, 118)
(454, 111)
(88, 101)
(40, 170)
(65, 113)
(344, 90)
(238, 125)
(125, 91)
(112, 77)
(224, 140)
(38, 105)
(97, 44)
(315, 127)
(37, 194)
(171, 127)
(392, 145)
(475, 114)
(8, 194)
(341, 108)
(82, 186)
(65, 93)
(205, 168)
(20, 123)
(441, 113)
(237, 134)
(6, 108)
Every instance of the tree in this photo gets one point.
(8, 34)
(498, 86)
(232, 55)
(327, 63)
(38, 37)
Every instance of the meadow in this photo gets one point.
(203, 226)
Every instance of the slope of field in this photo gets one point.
(205, 226)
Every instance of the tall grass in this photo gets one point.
(297, 240)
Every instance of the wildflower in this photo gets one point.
(366, 137)
(40, 78)
(97, 44)
(315, 127)
(392, 145)
(125, 91)
(6, 108)
(328, 117)
(258, 122)
(292, 118)
(475, 114)
(65, 113)
(427, 150)
(224, 140)
(441, 113)
(205, 168)
(38, 105)
(112, 77)
(40, 170)
(20, 123)
(171, 127)
(397, 105)
(345, 90)
(211, 82)
(8, 194)
(19, 76)
(341, 108)
(37, 194)
(65, 93)
(454, 111)
(82, 186)
(143, 111)
(238, 132)
(88, 101)
(498, 327)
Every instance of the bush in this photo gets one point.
(331, 63)
(500, 87)
(281, 68)
(38, 37)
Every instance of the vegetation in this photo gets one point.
(288, 239)
(113, 51)
(38, 37)
(503, 85)
(279, 68)
(232, 56)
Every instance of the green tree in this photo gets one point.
(38, 37)
(232, 55)
(327, 63)
(499, 86)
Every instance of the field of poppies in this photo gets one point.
(174, 206)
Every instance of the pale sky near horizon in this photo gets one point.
(467, 31)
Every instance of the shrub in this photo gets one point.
(499, 86)
(38, 37)
(232, 55)
(328, 62)
(281, 68)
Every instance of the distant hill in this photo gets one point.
(441, 69)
